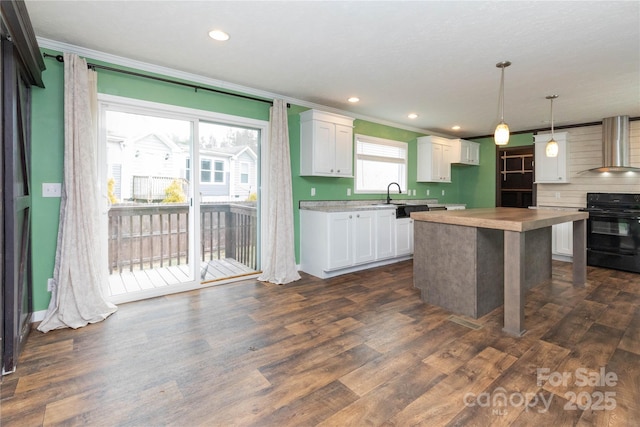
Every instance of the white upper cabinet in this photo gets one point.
(465, 152)
(434, 159)
(551, 170)
(326, 144)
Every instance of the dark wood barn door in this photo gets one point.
(17, 209)
(21, 67)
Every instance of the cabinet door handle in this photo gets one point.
(338, 170)
(331, 170)
(358, 216)
(350, 217)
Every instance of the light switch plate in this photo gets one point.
(51, 189)
(313, 192)
(348, 191)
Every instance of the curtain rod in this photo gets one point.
(60, 58)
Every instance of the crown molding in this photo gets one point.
(171, 72)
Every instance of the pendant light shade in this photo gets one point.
(501, 135)
(551, 149)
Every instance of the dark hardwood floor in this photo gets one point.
(356, 350)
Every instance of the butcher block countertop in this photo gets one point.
(510, 219)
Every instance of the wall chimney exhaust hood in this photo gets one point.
(615, 146)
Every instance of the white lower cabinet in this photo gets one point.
(339, 240)
(364, 243)
(350, 239)
(385, 234)
(404, 237)
(333, 243)
(562, 240)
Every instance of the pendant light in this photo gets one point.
(501, 135)
(551, 149)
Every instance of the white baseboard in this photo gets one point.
(38, 316)
(563, 258)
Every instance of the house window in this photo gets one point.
(378, 163)
(244, 173)
(187, 170)
(205, 170)
(219, 172)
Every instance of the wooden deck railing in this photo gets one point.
(157, 235)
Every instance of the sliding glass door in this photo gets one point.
(228, 189)
(149, 218)
(181, 197)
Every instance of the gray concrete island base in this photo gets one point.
(457, 257)
(461, 268)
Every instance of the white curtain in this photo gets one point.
(279, 259)
(79, 274)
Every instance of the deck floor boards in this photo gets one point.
(136, 280)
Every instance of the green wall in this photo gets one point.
(473, 185)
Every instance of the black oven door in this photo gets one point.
(613, 240)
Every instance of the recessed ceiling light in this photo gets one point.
(219, 35)
(413, 116)
(353, 99)
(456, 127)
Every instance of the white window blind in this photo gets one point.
(379, 162)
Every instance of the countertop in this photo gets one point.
(511, 219)
(367, 205)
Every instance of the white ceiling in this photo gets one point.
(434, 58)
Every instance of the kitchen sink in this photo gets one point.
(404, 211)
(388, 205)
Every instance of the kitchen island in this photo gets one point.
(472, 261)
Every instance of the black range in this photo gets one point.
(613, 230)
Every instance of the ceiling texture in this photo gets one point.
(433, 58)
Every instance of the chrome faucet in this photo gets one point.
(388, 186)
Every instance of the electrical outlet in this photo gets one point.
(51, 189)
(557, 194)
(443, 192)
(348, 191)
(414, 192)
(50, 285)
(427, 191)
(313, 192)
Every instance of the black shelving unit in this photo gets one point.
(514, 181)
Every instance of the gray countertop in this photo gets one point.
(361, 205)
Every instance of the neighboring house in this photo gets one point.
(228, 173)
(143, 167)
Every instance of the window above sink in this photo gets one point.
(378, 162)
